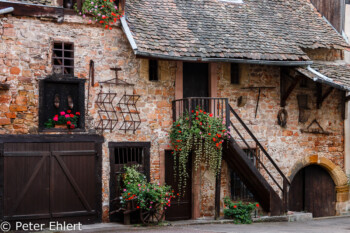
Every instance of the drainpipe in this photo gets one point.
(6, 10)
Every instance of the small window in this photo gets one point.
(235, 73)
(63, 58)
(153, 70)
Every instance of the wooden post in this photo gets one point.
(217, 195)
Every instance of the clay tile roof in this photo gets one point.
(336, 75)
(254, 29)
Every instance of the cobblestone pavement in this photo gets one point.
(329, 225)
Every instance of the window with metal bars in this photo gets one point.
(239, 192)
(63, 58)
(126, 154)
(235, 73)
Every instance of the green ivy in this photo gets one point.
(239, 212)
(203, 134)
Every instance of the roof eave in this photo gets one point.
(230, 60)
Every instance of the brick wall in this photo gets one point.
(25, 58)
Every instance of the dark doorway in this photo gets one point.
(195, 80)
(313, 190)
(179, 209)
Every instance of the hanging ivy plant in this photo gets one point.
(203, 134)
(104, 12)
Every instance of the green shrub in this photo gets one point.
(239, 212)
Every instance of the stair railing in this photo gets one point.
(221, 108)
(286, 183)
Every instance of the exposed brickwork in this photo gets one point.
(25, 57)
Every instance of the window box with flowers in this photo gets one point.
(201, 133)
(66, 120)
(103, 12)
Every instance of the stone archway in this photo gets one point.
(339, 177)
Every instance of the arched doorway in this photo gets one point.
(313, 190)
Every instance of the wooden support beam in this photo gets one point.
(286, 94)
(217, 195)
(320, 96)
(22, 9)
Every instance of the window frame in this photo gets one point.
(63, 57)
(81, 93)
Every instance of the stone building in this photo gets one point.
(275, 63)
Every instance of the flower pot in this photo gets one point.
(60, 126)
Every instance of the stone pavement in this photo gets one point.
(320, 225)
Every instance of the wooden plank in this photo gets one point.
(217, 195)
(73, 183)
(286, 93)
(51, 138)
(332, 11)
(28, 184)
(22, 9)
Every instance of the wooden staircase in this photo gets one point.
(266, 181)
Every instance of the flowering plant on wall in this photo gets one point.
(147, 195)
(68, 119)
(104, 12)
(201, 133)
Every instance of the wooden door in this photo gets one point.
(313, 190)
(73, 176)
(26, 180)
(51, 181)
(179, 209)
(195, 80)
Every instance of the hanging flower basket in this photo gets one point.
(202, 133)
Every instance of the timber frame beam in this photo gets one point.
(285, 92)
(322, 96)
(34, 10)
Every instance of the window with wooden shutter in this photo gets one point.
(153, 70)
(63, 58)
(235, 73)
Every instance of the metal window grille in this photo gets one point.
(238, 190)
(63, 58)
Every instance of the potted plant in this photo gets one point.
(65, 120)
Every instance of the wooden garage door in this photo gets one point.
(313, 190)
(50, 181)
